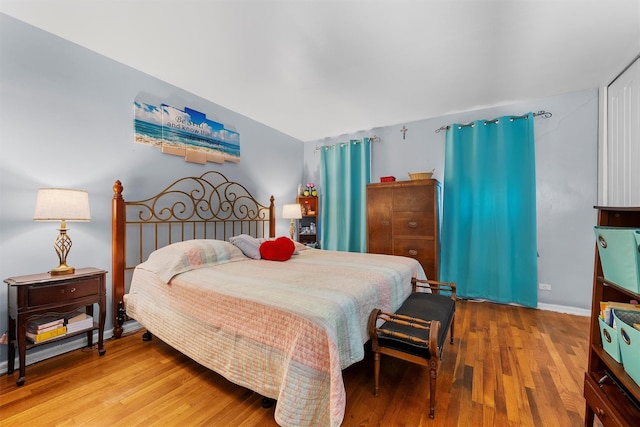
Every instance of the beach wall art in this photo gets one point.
(186, 133)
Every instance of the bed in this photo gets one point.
(285, 330)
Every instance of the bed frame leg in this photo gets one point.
(147, 336)
(267, 402)
(120, 317)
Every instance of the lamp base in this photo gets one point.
(61, 270)
(62, 246)
(292, 229)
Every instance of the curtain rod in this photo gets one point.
(373, 138)
(544, 114)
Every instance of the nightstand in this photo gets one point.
(37, 295)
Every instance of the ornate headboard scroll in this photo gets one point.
(205, 207)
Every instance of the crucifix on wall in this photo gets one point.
(404, 131)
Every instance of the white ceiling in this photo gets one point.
(320, 68)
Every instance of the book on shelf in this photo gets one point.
(623, 305)
(77, 316)
(607, 307)
(45, 323)
(78, 322)
(47, 335)
(35, 330)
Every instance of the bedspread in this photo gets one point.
(282, 329)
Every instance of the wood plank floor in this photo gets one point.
(509, 366)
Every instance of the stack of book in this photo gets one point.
(49, 327)
(45, 328)
(607, 307)
(78, 321)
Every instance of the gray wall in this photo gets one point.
(566, 169)
(66, 119)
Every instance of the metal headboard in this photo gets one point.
(205, 207)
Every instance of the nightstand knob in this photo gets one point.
(73, 290)
(413, 252)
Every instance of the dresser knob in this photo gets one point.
(413, 224)
(386, 222)
(600, 413)
(73, 290)
(413, 252)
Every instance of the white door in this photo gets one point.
(622, 151)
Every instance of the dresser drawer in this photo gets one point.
(410, 199)
(413, 224)
(68, 291)
(422, 250)
(598, 401)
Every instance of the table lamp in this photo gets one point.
(292, 212)
(61, 204)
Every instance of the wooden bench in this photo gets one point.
(417, 331)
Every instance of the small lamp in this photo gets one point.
(61, 204)
(292, 212)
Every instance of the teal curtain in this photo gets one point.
(345, 171)
(489, 211)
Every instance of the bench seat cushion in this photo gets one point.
(426, 307)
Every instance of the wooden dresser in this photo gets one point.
(403, 219)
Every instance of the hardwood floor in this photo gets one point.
(509, 366)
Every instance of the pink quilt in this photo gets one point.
(282, 329)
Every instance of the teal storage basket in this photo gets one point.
(620, 255)
(609, 338)
(629, 340)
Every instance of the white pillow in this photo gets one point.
(179, 257)
(249, 245)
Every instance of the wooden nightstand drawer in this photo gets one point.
(602, 407)
(40, 295)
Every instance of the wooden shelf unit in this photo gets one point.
(603, 398)
(310, 215)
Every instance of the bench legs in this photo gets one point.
(453, 321)
(376, 372)
(415, 338)
(433, 376)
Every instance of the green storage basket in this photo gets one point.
(620, 255)
(629, 341)
(609, 338)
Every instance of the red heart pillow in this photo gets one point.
(280, 249)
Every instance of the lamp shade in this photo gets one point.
(61, 204)
(292, 211)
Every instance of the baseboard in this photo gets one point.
(551, 307)
(39, 354)
(565, 309)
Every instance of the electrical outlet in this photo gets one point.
(544, 287)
